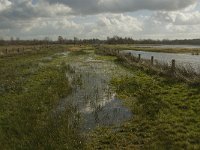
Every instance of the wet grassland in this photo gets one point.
(166, 112)
(72, 98)
(31, 86)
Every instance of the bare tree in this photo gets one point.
(75, 40)
(60, 39)
(17, 39)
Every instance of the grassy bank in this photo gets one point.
(180, 72)
(31, 86)
(166, 114)
(149, 48)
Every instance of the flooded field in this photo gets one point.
(181, 59)
(92, 96)
(82, 99)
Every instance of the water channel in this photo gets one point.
(184, 59)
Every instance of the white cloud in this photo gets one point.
(100, 18)
(178, 17)
(112, 24)
(190, 18)
(4, 4)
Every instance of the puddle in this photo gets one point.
(92, 96)
(113, 113)
(64, 54)
(46, 59)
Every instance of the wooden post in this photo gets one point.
(6, 51)
(117, 52)
(152, 60)
(18, 50)
(139, 57)
(173, 65)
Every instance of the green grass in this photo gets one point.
(166, 115)
(166, 112)
(30, 91)
(186, 74)
(78, 52)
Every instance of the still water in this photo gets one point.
(171, 46)
(94, 99)
(185, 59)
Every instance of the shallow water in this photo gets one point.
(181, 59)
(171, 46)
(92, 95)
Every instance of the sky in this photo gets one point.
(139, 19)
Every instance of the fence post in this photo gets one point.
(173, 65)
(139, 57)
(112, 52)
(117, 52)
(152, 60)
(6, 51)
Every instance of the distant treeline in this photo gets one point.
(120, 40)
(49, 42)
(109, 40)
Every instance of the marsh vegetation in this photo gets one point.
(80, 97)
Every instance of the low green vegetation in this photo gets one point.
(166, 112)
(31, 88)
(187, 74)
(166, 115)
(78, 52)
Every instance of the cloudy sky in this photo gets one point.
(140, 19)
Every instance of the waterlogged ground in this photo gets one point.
(31, 85)
(166, 114)
(92, 95)
(57, 99)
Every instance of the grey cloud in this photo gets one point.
(23, 17)
(22, 9)
(119, 6)
(177, 18)
(192, 18)
(21, 12)
(25, 10)
(17, 14)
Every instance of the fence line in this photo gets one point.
(117, 53)
(22, 50)
(187, 75)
